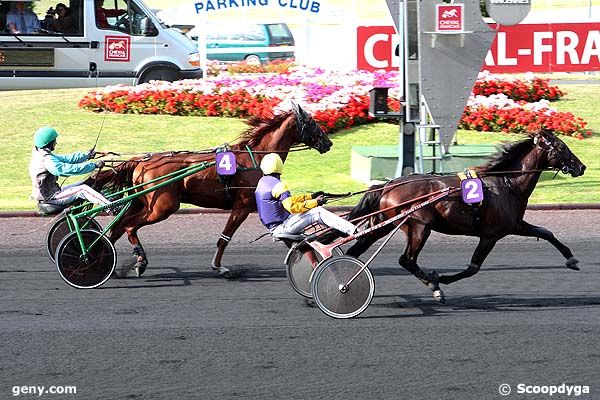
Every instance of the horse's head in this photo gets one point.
(560, 156)
(309, 132)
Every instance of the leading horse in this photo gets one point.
(509, 178)
(205, 188)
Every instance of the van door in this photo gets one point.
(126, 36)
(52, 52)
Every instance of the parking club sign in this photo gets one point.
(450, 17)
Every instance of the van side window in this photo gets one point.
(29, 18)
(125, 16)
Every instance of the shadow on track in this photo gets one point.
(488, 303)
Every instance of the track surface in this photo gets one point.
(180, 332)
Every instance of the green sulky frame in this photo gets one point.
(80, 211)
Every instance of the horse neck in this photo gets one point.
(535, 160)
(279, 141)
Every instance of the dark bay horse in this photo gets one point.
(205, 189)
(508, 179)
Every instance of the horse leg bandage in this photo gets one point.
(138, 251)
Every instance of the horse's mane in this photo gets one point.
(507, 154)
(259, 127)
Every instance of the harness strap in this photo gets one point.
(251, 156)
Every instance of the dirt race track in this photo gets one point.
(180, 332)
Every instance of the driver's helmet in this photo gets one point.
(44, 136)
(271, 164)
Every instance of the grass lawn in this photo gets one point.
(25, 111)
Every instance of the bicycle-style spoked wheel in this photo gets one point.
(62, 227)
(92, 270)
(299, 269)
(332, 293)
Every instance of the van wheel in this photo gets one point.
(159, 74)
(252, 59)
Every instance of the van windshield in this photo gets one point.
(123, 16)
(31, 18)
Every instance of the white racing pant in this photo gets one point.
(296, 223)
(70, 193)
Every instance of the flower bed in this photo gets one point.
(336, 100)
(500, 114)
(529, 89)
(215, 68)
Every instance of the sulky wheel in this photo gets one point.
(332, 293)
(299, 269)
(92, 270)
(62, 227)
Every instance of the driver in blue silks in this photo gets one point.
(45, 167)
(283, 213)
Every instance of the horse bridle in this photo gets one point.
(307, 127)
(553, 153)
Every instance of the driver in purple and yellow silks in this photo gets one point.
(283, 213)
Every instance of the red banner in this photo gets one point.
(519, 48)
(376, 48)
(546, 48)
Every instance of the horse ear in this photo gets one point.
(539, 138)
(546, 133)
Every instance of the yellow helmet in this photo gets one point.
(271, 163)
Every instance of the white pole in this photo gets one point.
(403, 61)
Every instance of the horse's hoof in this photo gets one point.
(571, 263)
(434, 281)
(224, 272)
(439, 296)
(140, 268)
(310, 303)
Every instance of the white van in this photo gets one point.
(91, 43)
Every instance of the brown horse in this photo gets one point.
(508, 179)
(205, 188)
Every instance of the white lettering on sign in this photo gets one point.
(521, 48)
(217, 5)
(539, 46)
(370, 54)
(536, 48)
(592, 48)
(566, 44)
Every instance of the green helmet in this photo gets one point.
(44, 136)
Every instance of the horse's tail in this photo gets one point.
(368, 204)
(114, 179)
